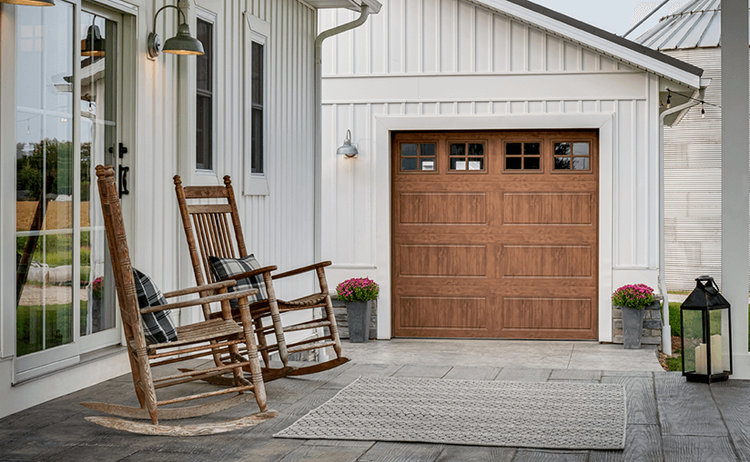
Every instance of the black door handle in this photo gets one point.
(123, 183)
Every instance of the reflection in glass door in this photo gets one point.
(98, 105)
(64, 291)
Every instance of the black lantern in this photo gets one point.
(706, 335)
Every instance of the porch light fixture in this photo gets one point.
(347, 149)
(181, 44)
(706, 334)
(30, 2)
(93, 44)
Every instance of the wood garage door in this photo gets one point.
(495, 234)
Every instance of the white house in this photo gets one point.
(78, 87)
(508, 176)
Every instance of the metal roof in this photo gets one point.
(595, 37)
(695, 25)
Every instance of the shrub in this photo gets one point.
(357, 290)
(635, 296)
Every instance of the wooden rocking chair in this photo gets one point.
(212, 338)
(212, 231)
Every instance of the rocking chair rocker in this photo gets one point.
(212, 231)
(211, 338)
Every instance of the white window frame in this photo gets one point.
(258, 31)
(210, 17)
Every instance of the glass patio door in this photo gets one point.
(67, 60)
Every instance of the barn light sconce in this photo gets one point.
(347, 149)
(181, 44)
(93, 44)
(30, 2)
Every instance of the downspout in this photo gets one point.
(666, 330)
(318, 210)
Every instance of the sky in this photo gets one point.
(616, 16)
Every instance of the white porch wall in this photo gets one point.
(453, 59)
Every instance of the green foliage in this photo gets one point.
(674, 364)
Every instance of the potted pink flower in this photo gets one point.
(632, 298)
(358, 294)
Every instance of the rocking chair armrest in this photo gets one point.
(200, 301)
(247, 274)
(303, 269)
(208, 287)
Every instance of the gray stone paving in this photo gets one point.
(668, 419)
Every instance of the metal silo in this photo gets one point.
(692, 148)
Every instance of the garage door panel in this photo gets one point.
(444, 312)
(444, 208)
(547, 261)
(547, 313)
(509, 251)
(443, 260)
(548, 208)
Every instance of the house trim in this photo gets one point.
(385, 124)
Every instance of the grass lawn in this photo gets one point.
(58, 326)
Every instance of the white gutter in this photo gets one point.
(364, 13)
(666, 330)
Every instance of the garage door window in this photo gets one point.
(572, 156)
(468, 157)
(523, 156)
(418, 157)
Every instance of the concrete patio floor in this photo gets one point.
(668, 419)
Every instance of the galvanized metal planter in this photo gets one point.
(632, 326)
(358, 314)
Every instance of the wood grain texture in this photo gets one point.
(698, 449)
(640, 399)
(548, 208)
(443, 260)
(733, 400)
(540, 455)
(686, 409)
(444, 312)
(495, 234)
(643, 443)
(444, 208)
(547, 313)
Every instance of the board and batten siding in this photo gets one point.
(278, 227)
(453, 58)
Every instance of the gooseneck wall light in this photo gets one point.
(347, 149)
(30, 2)
(181, 44)
(93, 44)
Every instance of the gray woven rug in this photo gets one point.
(557, 415)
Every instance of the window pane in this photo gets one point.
(580, 149)
(513, 148)
(458, 163)
(204, 132)
(476, 163)
(531, 148)
(562, 163)
(427, 164)
(531, 163)
(427, 149)
(513, 163)
(44, 177)
(257, 142)
(476, 149)
(458, 149)
(257, 74)
(408, 150)
(409, 164)
(562, 149)
(580, 163)
(204, 69)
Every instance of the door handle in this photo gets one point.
(123, 183)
